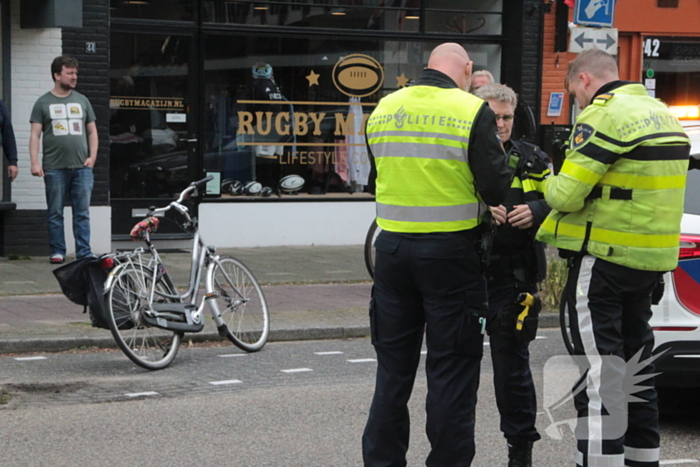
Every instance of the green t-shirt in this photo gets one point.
(63, 120)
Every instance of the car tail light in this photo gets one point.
(690, 247)
(687, 275)
(674, 328)
(107, 263)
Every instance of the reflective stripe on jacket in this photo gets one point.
(419, 137)
(619, 195)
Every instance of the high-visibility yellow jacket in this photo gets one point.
(619, 195)
(419, 137)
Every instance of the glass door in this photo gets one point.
(153, 125)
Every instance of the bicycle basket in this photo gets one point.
(72, 280)
(82, 281)
(96, 278)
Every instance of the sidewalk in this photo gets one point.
(313, 292)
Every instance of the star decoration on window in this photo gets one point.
(313, 78)
(401, 81)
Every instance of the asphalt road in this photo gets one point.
(293, 404)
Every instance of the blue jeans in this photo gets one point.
(78, 184)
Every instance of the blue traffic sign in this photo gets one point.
(595, 13)
(556, 101)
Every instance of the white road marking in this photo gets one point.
(233, 355)
(297, 370)
(139, 394)
(362, 360)
(26, 359)
(332, 352)
(228, 381)
(679, 461)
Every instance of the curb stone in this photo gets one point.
(61, 344)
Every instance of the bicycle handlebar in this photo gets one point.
(203, 181)
(185, 194)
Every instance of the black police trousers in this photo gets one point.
(609, 310)
(432, 284)
(512, 379)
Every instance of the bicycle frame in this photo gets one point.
(148, 319)
(202, 256)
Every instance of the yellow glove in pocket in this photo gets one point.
(527, 319)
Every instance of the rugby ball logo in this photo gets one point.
(358, 75)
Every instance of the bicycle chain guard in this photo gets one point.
(174, 317)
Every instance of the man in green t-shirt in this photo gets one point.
(66, 121)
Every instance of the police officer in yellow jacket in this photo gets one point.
(438, 157)
(616, 210)
(517, 264)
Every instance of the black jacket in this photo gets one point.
(511, 242)
(7, 136)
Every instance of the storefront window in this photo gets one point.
(481, 17)
(278, 106)
(672, 69)
(170, 10)
(149, 114)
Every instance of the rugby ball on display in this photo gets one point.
(227, 185)
(252, 188)
(232, 187)
(267, 191)
(291, 183)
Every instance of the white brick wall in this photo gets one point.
(32, 53)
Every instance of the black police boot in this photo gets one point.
(519, 453)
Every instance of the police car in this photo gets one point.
(676, 319)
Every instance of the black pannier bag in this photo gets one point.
(82, 281)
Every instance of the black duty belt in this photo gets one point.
(615, 193)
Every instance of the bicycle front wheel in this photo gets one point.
(127, 299)
(565, 323)
(370, 251)
(240, 305)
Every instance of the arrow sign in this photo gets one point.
(583, 38)
(608, 42)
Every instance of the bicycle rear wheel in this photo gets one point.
(370, 251)
(240, 305)
(127, 299)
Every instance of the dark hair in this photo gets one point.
(60, 62)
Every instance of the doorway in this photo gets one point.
(153, 126)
